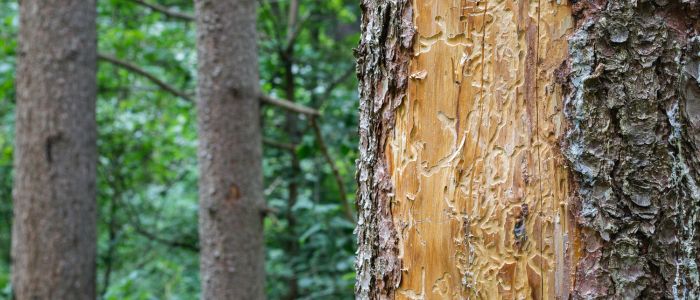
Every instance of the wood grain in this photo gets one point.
(480, 190)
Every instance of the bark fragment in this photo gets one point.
(383, 56)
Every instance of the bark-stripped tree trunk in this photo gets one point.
(54, 234)
(529, 149)
(230, 155)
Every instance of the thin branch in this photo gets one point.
(292, 18)
(338, 81)
(294, 25)
(109, 259)
(165, 10)
(276, 144)
(133, 68)
(288, 105)
(338, 179)
(174, 243)
(272, 186)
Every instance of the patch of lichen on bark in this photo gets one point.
(631, 149)
(382, 68)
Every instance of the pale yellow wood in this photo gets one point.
(474, 144)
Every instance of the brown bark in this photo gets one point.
(633, 80)
(383, 56)
(231, 199)
(463, 180)
(54, 233)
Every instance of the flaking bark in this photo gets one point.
(632, 145)
(383, 57)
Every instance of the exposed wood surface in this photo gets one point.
(480, 190)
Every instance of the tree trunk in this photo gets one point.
(529, 149)
(291, 246)
(230, 155)
(54, 232)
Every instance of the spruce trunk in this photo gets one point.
(54, 229)
(230, 151)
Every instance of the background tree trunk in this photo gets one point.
(54, 234)
(294, 134)
(231, 201)
(528, 149)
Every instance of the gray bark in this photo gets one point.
(633, 147)
(54, 234)
(382, 69)
(231, 197)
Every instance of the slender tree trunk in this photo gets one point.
(54, 234)
(230, 155)
(109, 257)
(292, 130)
(529, 149)
(294, 135)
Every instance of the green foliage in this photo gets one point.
(8, 31)
(148, 144)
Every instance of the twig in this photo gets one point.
(272, 186)
(338, 81)
(338, 179)
(166, 11)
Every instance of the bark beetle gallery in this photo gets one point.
(529, 149)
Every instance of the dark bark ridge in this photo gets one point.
(632, 144)
(383, 59)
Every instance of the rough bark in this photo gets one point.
(383, 55)
(632, 106)
(54, 231)
(231, 197)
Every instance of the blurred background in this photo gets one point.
(147, 171)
